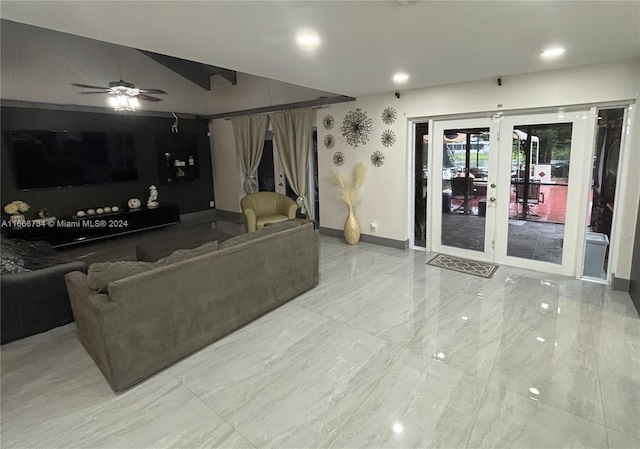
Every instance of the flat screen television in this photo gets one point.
(45, 159)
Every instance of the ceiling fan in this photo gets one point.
(123, 95)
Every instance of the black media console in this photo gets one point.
(74, 230)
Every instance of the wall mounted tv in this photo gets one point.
(45, 159)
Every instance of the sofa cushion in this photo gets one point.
(267, 230)
(151, 251)
(184, 254)
(100, 274)
(270, 218)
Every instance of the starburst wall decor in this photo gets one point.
(388, 138)
(377, 159)
(389, 116)
(338, 158)
(356, 127)
(328, 122)
(329, 141)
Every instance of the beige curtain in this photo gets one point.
(292, 135)
(249, 132)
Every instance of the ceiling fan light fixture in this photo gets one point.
(121, 102)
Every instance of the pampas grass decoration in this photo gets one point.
(348, 192)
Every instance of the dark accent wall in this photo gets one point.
(634, 284)
(190, 196)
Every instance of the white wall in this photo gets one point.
(386, 192)
(39, 65)
(227, 181)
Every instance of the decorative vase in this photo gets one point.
(17, 220)
(351, 229)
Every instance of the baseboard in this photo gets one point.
(399, 244)
(620, 284)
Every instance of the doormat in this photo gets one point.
(482, 269)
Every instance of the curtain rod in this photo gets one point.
(318, 103)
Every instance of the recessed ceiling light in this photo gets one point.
(552, 52)
(307, 40)
(400, 77)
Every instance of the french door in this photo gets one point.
(511, 189)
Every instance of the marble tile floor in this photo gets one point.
(386, 352)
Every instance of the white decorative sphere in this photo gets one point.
(81, 213)
(107, 210)
(99, 211)
(115, 209)
(91, 212)
(134, 203)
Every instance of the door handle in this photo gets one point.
(280, 184)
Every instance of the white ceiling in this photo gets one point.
(363, 42)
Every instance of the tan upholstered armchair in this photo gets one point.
(266, 207)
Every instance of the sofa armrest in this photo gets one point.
(250, 220)
(291, 210)
(96, 320)
(35, 301)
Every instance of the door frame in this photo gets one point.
(583, 135)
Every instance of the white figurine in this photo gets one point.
(153, 197)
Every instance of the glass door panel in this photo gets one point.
(540, 162)
(540, 185)
(421, 147)
(462, 187)
(266, 169)
(467, 159)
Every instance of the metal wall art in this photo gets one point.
(329, 141)
(356, 127)
(377, 159)
(388, 138)
(328, 122)
(338, 158)
(389, 116)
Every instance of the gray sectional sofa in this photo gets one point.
(32, 287)
(137, 325)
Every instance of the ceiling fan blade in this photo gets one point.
(152, 91)
(89, 86)
(89, 93)
(148, 97)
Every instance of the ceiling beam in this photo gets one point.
(195, 72)
(317, 103)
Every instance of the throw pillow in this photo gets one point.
(183, 254)
(12, 265)
(100, 274)
(11, 257)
